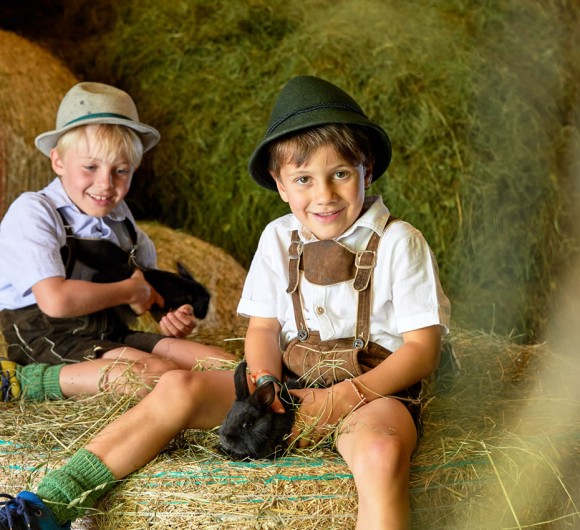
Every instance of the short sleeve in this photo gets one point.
(264, 290)
(417, 296)
(30, 237)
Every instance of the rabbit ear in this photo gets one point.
(183, 272)
(265, 394)
(241, 382)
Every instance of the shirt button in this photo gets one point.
(320, 310)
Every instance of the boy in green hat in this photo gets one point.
(339, 279)
(64, 336)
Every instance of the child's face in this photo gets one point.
(95, 185)
(326, 193)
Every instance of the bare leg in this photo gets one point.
(123, 370)
(188, 355)
(181, 400)
(377, 442)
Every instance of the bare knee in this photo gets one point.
(203, 397)
(180, 385)
(384, 456)
(137, 377)
(153, 366)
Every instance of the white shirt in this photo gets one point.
(32, 234)
(406, 292)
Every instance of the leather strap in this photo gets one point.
(364, 264)
(96, 253)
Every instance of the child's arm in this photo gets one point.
(416, 359)
(262, 350)
(60, 298)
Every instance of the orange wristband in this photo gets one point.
(263, 376)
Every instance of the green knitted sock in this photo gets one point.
(70, 490)
(39, 382)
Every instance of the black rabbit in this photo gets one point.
(176, 289)
(251, 429)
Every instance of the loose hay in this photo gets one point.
(484, 461)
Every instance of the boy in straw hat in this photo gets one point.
(337, 278)
(52, 316)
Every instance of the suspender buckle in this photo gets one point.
(295, 250)
(365, 259)
(132, 260)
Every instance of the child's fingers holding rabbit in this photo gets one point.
(320, 411)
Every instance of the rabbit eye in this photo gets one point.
(246, 424)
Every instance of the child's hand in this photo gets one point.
(178, 323)
(320, 412)
(143, 295)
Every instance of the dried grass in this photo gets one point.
(480, 99)
(499, 451)
(32, 83)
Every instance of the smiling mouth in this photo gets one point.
(100, 198)
(327, 214)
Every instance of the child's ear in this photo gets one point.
(56, 162)
(280, 186)
(368, 177)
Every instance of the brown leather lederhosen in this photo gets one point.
(325, 362)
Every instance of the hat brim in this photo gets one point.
(259, 160)
(150, 136)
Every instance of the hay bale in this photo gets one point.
(495, 453)
(480, 101)
(32, 84)
(222, 275)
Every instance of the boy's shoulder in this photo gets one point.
(28, 203)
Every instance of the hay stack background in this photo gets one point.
(500, 450)
(481, 102)
(32, 84)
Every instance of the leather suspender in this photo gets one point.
(96, 253)
(364, 261)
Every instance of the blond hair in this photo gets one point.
(111, 142)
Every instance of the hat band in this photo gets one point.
(98, 115)
(350, 108)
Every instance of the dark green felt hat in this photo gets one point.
(307, 102)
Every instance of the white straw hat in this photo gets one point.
(87, 103)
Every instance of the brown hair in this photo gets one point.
(350, 142)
